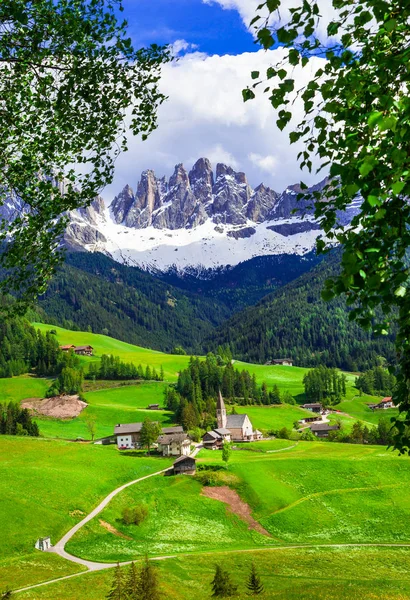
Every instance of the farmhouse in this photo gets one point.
(153, 406)
(286, 362)
(174, 444)
(185, 465)
(128, 435)
(383, 404)
(321, 430)
(315, 407)
(79, 350)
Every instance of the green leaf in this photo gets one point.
(255, 74)
(374, 200)
(398, 187)
(400, 291)
(272, 5)
(282, 73)
(374, 118)
(386, 123)
(247, 95)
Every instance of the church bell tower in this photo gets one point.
(220, 412)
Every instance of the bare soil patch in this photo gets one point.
(59, 407)
(236, 505)
(112, 529)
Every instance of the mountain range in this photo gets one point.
(200, 260)
(197, 222)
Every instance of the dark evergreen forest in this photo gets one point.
(295, 322)
(92, 292)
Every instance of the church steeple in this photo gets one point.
(220, 412)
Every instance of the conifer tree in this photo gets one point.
(222, 586)
(118, 591)
(254, 584)
(148, 588)
(132, 583)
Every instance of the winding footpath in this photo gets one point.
(90, 566)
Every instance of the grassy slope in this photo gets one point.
(180, 520)
(313, 493)
(287, 574)
(126, 404)
(19, 388)
(43, 481)
(326, 493)
(103, 344)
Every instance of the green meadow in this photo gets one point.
(313, 493)
(180, 520)
(104, 344)
(273, 417)
(287, 574)
(127, 404)
(47, 486)
(16, 389)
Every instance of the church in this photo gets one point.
(235, 428)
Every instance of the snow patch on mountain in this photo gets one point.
(204, 247)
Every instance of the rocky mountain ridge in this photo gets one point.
(189, 199)
(195, 221)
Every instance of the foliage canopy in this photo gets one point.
(356, 122)
(69, 79)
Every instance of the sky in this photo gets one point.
(205, 115)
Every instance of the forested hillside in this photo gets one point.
(93, 292)
(295, 322)
(247, 283)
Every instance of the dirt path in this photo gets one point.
(214, 552)
(236, 505)
(59, 547)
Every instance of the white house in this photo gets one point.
(174, 444)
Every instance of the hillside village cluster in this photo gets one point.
(173, 441)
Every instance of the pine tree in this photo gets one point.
(222, 585)
(148, 588)
(117, 591)
(254, 584)
(132, 583)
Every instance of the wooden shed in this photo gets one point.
(185, 465)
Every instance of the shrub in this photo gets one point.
(135, 515)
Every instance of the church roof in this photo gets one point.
(235, 421)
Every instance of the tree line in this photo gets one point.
(325, 385)
(376, 382)
(15, 420)
(112, 367)
(192, 398)
(23, 349)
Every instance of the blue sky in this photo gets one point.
(211, 28)
(205, 115)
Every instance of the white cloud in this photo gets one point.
(265, 163)
(206, 116)
(180, 46)
(248, 10)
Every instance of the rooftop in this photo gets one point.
(235, 421)
(168, 438)
(123, 429)
(182, 458)
(324, 427)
